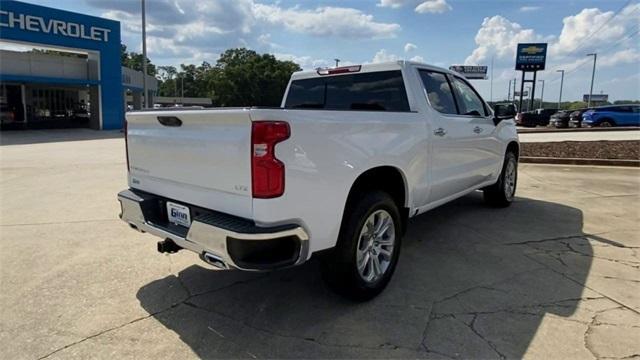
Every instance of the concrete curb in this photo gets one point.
(578, 161)
(555, 130)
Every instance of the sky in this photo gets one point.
(438, 32)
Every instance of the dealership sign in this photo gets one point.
(596, 97)
(470, 72)
(41, 26)
(10, 19)
(531, 57)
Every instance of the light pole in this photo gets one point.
(528, 102)
(491, 86)
(542, 95)
(144, 57)
(509, 91)
(593, 75)
(337, 61)
(561, 83)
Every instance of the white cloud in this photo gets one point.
(408, 47)
(392, 3)
(307, 62)
(383, 56)
(186, 31)
(498, 36)
(433, 7)
(626, 56)
(323, 21)
(579, 31)
(529, 8)
(422, 6)
(587, 31)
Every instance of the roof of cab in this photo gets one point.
(383, 66)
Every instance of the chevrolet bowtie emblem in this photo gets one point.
(532, 50)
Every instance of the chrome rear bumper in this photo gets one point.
(214, 234)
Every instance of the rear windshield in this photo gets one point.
(376, 91)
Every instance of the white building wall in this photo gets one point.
(46, 65)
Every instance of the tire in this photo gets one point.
(357, 245)
(502, 193)
(607, 123)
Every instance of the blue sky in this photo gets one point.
(440, 32)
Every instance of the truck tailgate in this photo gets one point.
(204, 161)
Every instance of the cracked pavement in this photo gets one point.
(557, 275)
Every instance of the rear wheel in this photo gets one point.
(501, 193)
(365, 257)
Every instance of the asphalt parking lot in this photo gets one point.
(557, 275)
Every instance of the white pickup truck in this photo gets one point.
(350, 155)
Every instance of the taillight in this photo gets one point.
(267, 172)
(126, 143)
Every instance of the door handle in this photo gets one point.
(440, 132)
(478, 129)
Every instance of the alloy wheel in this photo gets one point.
(376, 244)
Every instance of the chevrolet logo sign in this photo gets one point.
(532, 50)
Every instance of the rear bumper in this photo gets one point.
(235, 242)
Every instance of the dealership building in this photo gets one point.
(63, 69)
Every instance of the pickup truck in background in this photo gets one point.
(351, 154)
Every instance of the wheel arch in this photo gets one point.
(387, 178)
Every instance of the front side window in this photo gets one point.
(468, 100)
(438, 92)
(375, 91)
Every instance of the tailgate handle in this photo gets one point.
(169, 121)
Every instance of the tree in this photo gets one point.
(240, 77)
(133, 61)
(243, 77)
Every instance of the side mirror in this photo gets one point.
(503, 112)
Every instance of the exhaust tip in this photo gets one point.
(214, 260)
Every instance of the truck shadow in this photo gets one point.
(471, 282)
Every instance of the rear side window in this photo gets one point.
(439, 92)
(376, 91)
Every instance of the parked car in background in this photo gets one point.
(575, 118)
(7, 115)
(560, 119)
(538, 117)
(607, 116)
